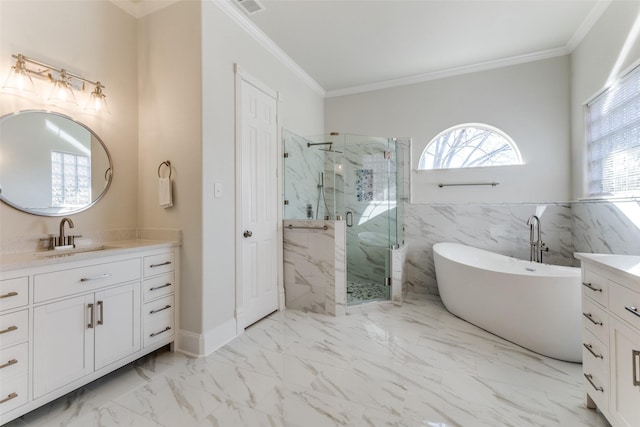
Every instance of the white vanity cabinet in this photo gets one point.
(76, 319)
(611, 336)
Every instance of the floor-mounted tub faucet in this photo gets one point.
(537, 246)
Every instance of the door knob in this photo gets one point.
(247, 233)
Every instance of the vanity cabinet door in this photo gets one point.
(63, 343)
(625, 374)
(117, 330)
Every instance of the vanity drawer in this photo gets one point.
(596, 383)
(14, 328)
(595, 319)
(624, 303)
(595, 354)
(14, 293)
(595, 287)
(159, 286)
(158, 264)
(68, 282)
(14, 361)
(13, 393)
(159, 320)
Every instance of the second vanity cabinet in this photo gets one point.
(611, 335)
(73, 322)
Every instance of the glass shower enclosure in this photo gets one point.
(351, 178)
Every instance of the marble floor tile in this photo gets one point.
(410, 366)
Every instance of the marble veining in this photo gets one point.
(410, 365)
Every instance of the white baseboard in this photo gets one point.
(200, 345)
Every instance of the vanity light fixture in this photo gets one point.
(64, 84)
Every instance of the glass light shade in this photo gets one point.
(97, 102)
(19, 81)
(62, 94)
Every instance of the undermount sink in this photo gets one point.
(72, 251)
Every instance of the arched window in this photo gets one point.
(470, 145)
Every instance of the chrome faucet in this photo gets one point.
(537, 246)
(62, 241)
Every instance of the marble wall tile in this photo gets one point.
(314, 267)
(500, 228)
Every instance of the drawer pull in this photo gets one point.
(161, 332)
(589, 316)
(160, 265)
(9, 329)
(9, 363)
(160, 309)
(635, 354)
(10, 294)
(590, 348)
(160, 287)
(633, 310)
(9, 397)
(102, 276)
(590, 286)
(589, 378)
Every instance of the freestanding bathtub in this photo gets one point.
(537, 306)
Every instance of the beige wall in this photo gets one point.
(56, 32)
(596, 59)
(530, 102)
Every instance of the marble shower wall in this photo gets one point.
(302, 168)
(500, 228)
(315, 267)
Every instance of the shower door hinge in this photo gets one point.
(286, 155)
(387, 155)
(387, 281)
(286, 202)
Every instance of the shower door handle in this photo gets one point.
(349, 219)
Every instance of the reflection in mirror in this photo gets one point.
(51, 164)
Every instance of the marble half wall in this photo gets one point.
(315, 266)
(610, 227)
(500, 228)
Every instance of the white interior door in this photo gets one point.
(258, 217)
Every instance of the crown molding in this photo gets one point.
(450, 72)
(239, 18)
(588, 24)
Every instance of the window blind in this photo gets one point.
(613, 139)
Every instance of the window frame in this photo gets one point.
(511, 143)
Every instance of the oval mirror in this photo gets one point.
(50, 164)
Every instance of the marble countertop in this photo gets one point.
(627, 265)
(16, 261)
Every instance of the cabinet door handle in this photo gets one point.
(160, 287)
(160, 265)
(9, 363)
(9, 329)
(9, 397)
(101, 305)
(635, 354)
(161, 332)
(92, 317)
(589, 378)
(633, 310)
(590, 348)
(590, 286)
(102, 276)
(589, 316)
(160, 309)
(10, 294)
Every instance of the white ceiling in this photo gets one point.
(350, 46)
